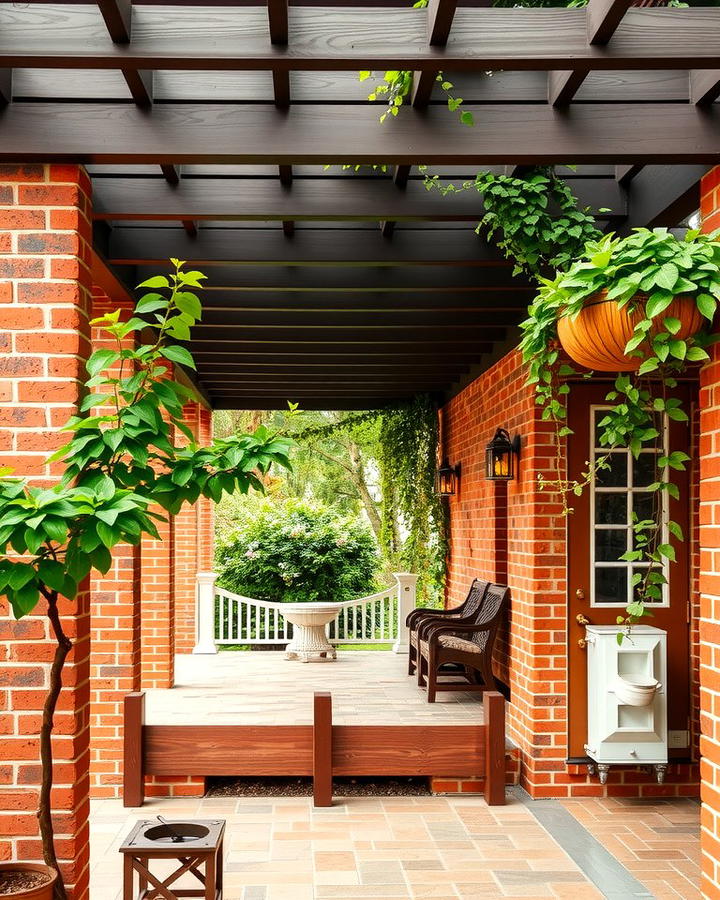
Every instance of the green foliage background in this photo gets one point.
(291, 551)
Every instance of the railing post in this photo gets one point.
(205, 613)
(407, 586)
(494, 724)
(133, 751)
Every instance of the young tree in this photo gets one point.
(121, 464)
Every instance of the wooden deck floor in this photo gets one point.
(262, 688)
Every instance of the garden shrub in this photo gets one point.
(297, 552)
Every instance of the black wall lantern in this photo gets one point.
(501, 455)
(447, 477)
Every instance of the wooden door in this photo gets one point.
(599, 530)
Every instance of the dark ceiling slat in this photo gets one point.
(352, 334)
(351, 39)
(316, 281)
(603, 20)
(118, 19)
(212, 354)
(704, 86)
(663, 195)
(240, 134)
(356, 381)
(450, 302)
(392, 345)
(211, 370)
(241, 401)
(322, 199)
(155, 246)
(439, 318)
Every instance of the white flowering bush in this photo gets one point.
(297, 552)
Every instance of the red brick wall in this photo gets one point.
(45, 235)
(527, 526)
(709, 543)
(515, 533)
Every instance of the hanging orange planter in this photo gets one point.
(596, 338)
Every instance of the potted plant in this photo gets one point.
(120, 463)
(635, 305)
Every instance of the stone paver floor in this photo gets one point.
(368, 687)
(657, 840)
(424, 847)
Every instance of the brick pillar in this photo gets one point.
(709, 452)
(115, 627)
(158, 606)
(45, 236)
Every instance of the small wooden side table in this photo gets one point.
(200, 854)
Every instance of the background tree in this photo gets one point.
(121, 465)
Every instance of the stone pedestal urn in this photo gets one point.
(309, 621)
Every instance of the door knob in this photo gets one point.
(580, 594)
(581, 619)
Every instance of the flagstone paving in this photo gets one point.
(443, 848)
(657, 840)
(369, 687)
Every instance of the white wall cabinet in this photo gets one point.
(627, 698)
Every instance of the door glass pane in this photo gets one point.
(643, 506)
(611, 509)
(610, 543)
(614, 471)
(643, 470)
(620, 488)
(611, 584)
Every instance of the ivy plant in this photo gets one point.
(121, 470)
(644, 273)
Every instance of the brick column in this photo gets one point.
(709, 452)
(45, 236)
(115, 626)
(158, 607)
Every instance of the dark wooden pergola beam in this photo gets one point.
(488, 39)
(318, 199)
(400, 356)
(336, 246)
(229, 280)
(603, 20)
(249, 134)
(350, 318)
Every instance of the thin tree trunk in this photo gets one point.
(358, 477)
(47, 834)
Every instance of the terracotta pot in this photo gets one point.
(597, 337)
(42, 891)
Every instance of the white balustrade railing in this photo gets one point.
(225, 618)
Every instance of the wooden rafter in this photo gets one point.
(117, 15)
(704, 86)
(603, 19)
(440, 14)
(172, 176)
(249, 134)
(6, 81)
(513, 39)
